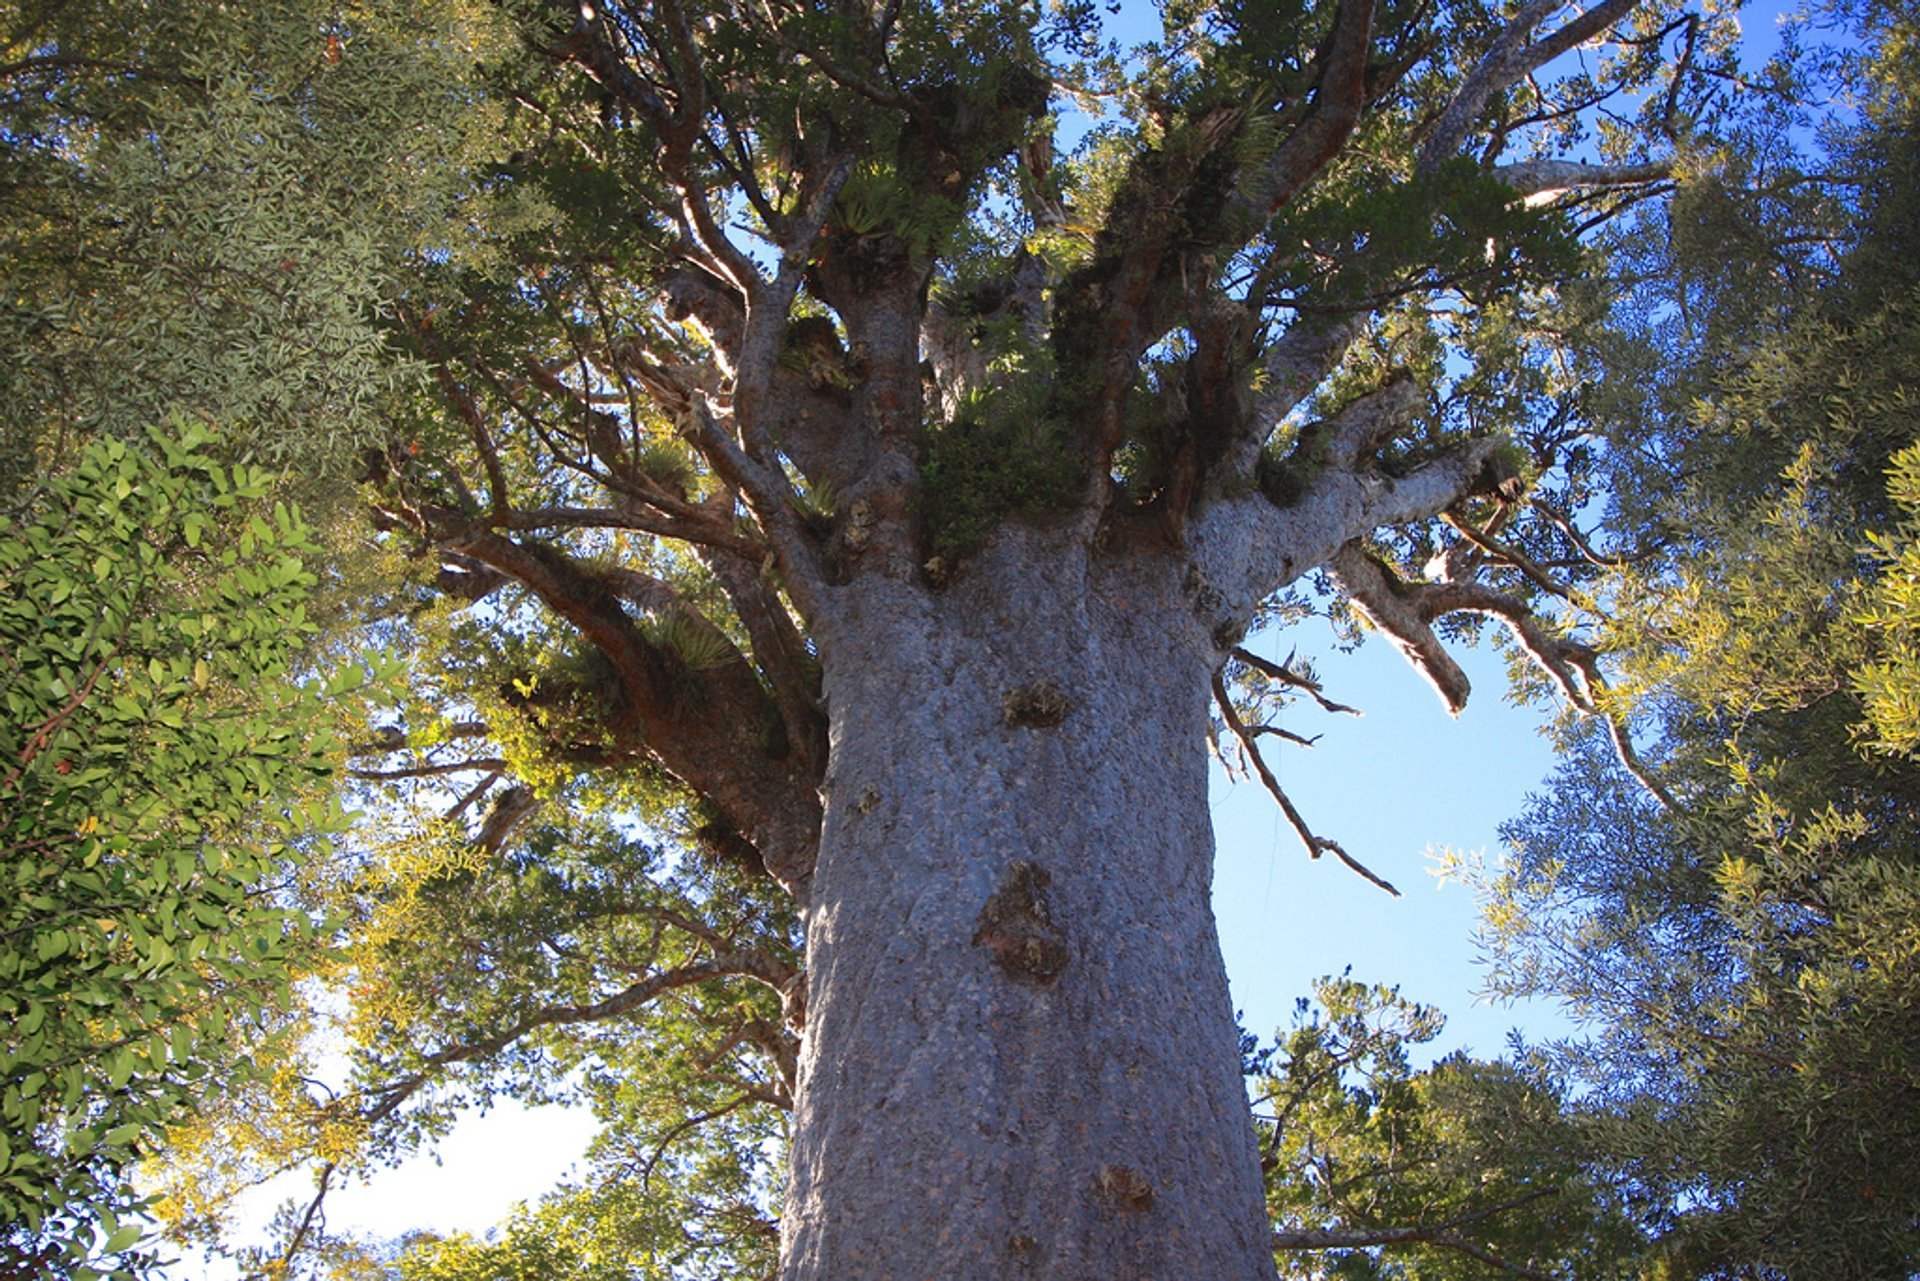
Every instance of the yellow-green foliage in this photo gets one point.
(1889, 684)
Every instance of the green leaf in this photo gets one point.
(124, 1238)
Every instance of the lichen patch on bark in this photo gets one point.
(1039, 705)
(1017, 927)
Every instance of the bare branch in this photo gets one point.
(1486, 542)
(693, 1122)
(490, 763)
(1581, 543)
(1540, 180)
(473, 794)
(1404, 611)
(1316, 845)
(510, 809)
(1284, 673)
(391, 738)
(313, 1218)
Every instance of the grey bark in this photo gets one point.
(1020, 1059)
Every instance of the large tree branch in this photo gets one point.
(1405, 612)
(1540, 180)
(1247, 548)
(1341, 93)
(1364, 1238)
(1170, 221)
(773, 504)
(780, 652)
(1513, 55)
(711, 742)
(1352, 435)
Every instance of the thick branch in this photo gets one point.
(1510, 59)
(779, 651)
(1355, 432)
(1294, 365)
(489, 763)
(391, 738)
(1341, 95)
(1405, 611)
(1363, 1238)
(772, 501)
(711, 742)
(1445, 1234)
(1247, 548)
(1540, 180)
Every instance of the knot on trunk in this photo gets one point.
(1121, 1187)
(1039, 705)
(793, 1001)
(1016, 926)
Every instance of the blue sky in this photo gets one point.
(1393, 786)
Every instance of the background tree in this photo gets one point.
(1746, 957)
(1464, 1169)
(203, 210)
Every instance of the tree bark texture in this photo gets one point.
(1020, 1059)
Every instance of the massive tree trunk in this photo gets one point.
(1020, 1058)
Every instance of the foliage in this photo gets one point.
(164, 777)
(205, 210)
(1888, 683)
(1481, 1155)
(995, 462)
(1746, 956)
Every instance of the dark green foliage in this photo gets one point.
(993, 463)
(1455, 227)
(162, 775)
(202, 210)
